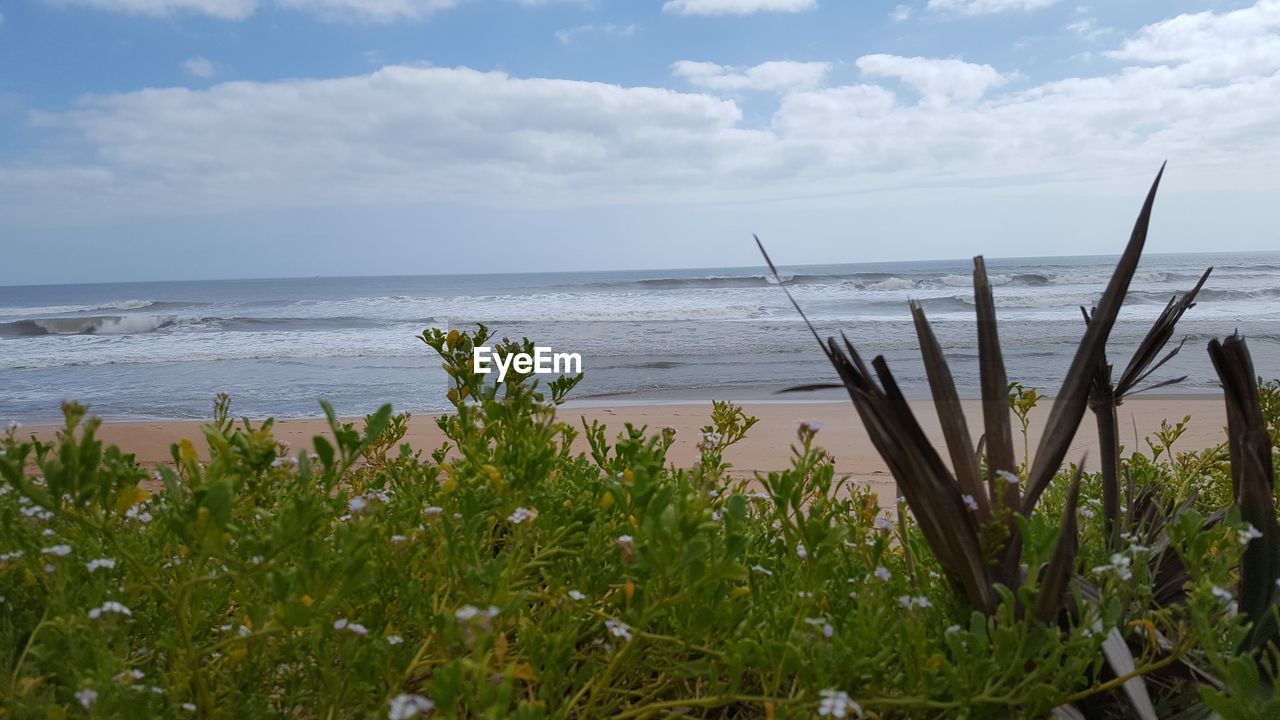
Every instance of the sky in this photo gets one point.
(200, 139)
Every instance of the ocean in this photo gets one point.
(165, 349)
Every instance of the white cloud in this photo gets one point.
(937, 81)
(199, 67)
(222, 9)
(987, 7)
(568, 35)
(370, 10)
(736, 7)
(778, 75)
(901, 13)
(357, 10)
(1087, 29)
(1245, 41)
(407, 136)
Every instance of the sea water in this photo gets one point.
(165, 349)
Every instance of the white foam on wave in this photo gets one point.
(893, 283)
(40, 311)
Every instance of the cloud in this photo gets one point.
(736, 7)
(901, 13)
(937, 81)
(378, 11)
(778, 75)
(987, 7)
(568, 35)
(1087, 29)
(199, 67)
(1245, 41)
(222, 9)
(415, 136)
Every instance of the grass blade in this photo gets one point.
(1071, 400)
(1121, 661)
(950, 413)
(1062, 565)
(1253, 483)
(995, 390)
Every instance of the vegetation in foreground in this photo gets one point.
(506, 575)
(503, 575)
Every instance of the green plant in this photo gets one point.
(980, 535)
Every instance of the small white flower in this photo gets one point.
(884, 523)
(1221, 594)
(433, 510)
(1248, 534)
(244, 631)
(617, 628)
(919, 601)
(1087, 513)
(357, 503)
(970, 503)
(105, 563)
(1009, 477)
(762, 570)
(812, 426)
(189, 707)
(110, 606)
(883, 573)
(87, 697)
(952, 629)
(397, 539)
(575, 595)
(1120, 565)
(351, 627)
(466, 612)
(801, 552)
(277, 463)
(406, 706)
(837, 704)
(57, 550)
(522, 514)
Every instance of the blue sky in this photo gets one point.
(172, 139)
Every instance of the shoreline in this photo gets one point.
(767, 445)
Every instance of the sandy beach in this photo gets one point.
(766, 448)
